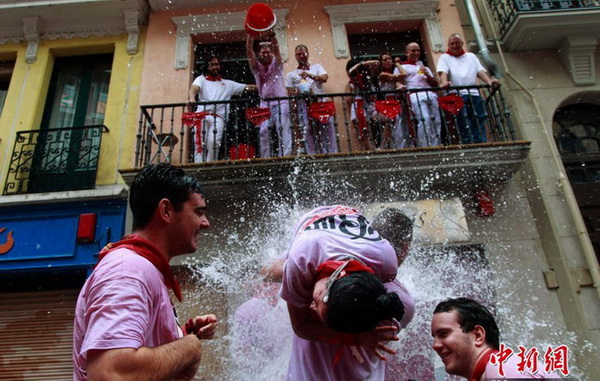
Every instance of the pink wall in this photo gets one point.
(307, 24)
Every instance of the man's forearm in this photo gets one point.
(168, 361)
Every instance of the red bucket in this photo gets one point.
(259, 19)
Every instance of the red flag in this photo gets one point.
(452, 103)
(257, 115)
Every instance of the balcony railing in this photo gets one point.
(381, 120)
(506, 11)
(54, 160)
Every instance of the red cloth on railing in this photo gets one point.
(360, 117)
(452, 103)
(242, 151)
(257, 115)
(194, 119)
(321, 111)
(389, 108)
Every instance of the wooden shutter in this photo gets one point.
(36, 335)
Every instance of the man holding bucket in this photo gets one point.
(267, 68)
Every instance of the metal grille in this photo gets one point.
(54, 160)
(506, 11)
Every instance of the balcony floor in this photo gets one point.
(390, 174)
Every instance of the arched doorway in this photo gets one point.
(577, 134)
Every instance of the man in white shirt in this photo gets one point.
(459, 68)
(212, 88)
(424, 104)
(308, 79)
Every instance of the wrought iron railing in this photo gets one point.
(323, 124)
(506, 11)
(54, 160)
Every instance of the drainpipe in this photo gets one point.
(483, 50)
(563, 184)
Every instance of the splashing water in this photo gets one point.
(255, 333)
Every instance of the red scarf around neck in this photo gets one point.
(305, 66)
(214, 78)
(146, 249)
(327, 268)
(462, 51)
(409, 62)
(481, 364)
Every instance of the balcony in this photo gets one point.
(383, 166)
(54, 160)
(543, 24)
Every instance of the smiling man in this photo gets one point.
(267, 68)
(125, 327)
(211, 87)
(465, 336)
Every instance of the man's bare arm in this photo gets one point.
(250, 51)
(273, 272)
(176, 360)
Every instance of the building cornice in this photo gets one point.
(35, 21)
(425, 10)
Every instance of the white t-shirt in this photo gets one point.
(414, 80)
(293, 79)
(211, 91)
(462, 70)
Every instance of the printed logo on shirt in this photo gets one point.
(355, 226)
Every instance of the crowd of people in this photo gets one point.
(338, 278)
(396, 102)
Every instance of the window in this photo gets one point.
(78, 91)
(234, 62)
(67, 147)
(6, 70)
(365, 46)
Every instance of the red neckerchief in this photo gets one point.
(145, 249)
(462, 51)
(214, 78)
(386, 71)
(305, 66)
(481, 364)
(327, 268)
(409, 62)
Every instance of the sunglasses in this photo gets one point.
(332, 278)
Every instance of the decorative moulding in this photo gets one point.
(578, 55)
(32, 35)
(35, 21)
(425, 10)
(218, 23)
(132, 25)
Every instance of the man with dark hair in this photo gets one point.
(267, 69)
(211, 87)
(465, 336)
(396, 227)
(124, 320)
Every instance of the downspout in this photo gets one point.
(563, 184)
(483, 50)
